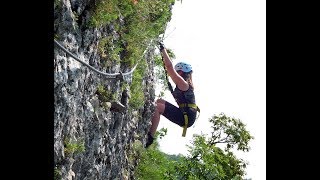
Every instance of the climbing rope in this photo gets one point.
(111, 76)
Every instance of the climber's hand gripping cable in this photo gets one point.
(161, 46)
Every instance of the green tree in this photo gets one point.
(205, 160)
(154, 164)
(229, 131)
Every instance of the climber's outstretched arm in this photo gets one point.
(176, 78)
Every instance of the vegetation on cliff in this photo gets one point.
(209, 157)
(138, 24)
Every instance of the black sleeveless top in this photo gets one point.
(184, 96)
(189, 98)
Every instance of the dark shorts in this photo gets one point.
(175, 115)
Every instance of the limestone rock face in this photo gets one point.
(94, 135)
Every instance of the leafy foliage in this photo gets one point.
(56, 174)
(105, 95)
(205, 159)
(230, 131)
(155, 164)
(73, 147)
(137, 25)
(137, 96)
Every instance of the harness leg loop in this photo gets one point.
(185, 124)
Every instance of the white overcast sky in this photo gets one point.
(225, 41)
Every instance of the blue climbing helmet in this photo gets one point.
(181, 66)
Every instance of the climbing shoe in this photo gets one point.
(149, 140)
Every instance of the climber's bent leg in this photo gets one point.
(160, 106)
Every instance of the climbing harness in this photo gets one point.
(119, 75)
(185, 115)
(194, 106)
(181, 106)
